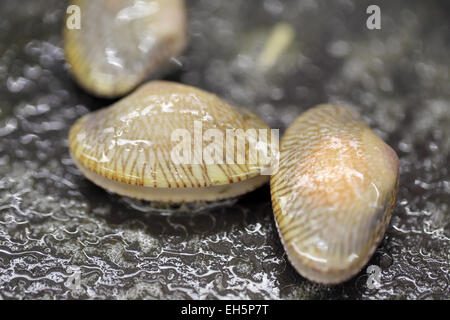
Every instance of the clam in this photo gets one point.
(153, 145)
(120, 43)
(333, 193)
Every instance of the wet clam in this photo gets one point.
(121, 43)
(333, 194)
(129, 147)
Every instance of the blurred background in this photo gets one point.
(63, 237)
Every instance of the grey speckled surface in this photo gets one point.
(53, 222)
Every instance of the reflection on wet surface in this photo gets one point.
(56, 227)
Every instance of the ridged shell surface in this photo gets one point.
(333, 193)
(121, 43)
(127, 147)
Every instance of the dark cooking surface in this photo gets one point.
(53, 221)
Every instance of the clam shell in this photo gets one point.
(123, 42)
(333, 193)
(127, 147)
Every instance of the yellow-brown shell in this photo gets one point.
(120, 43)
(127, 147)
(333, 194)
